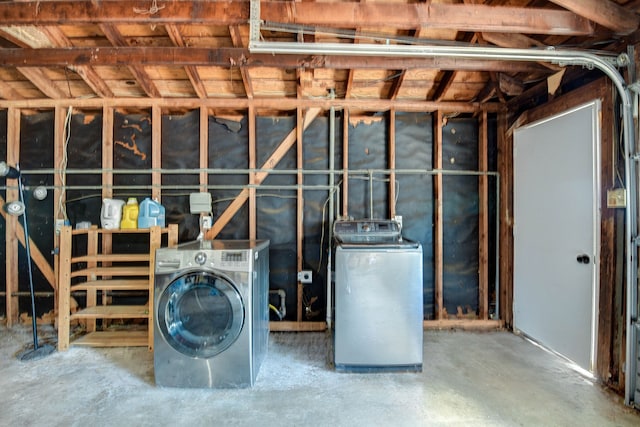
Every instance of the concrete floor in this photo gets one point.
(492, 379)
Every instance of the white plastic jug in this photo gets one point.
(111, 213)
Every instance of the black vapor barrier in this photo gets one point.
(276, 197)
(3, 193)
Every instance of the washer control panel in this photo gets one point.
(366, 231)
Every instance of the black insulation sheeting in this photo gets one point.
(229, 149)
(414, 150)
(316, 210)
(181, 150)
(368, 151)
(460, 212)
(276, 208)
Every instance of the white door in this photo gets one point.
(556, 232)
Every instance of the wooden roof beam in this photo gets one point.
(224, 57)
(39, 79)
(234, 31)
(7, 92)
(604, 12)
(192, 71)
(138, 71)
(87, 73)
(463, 17)
(46, 37)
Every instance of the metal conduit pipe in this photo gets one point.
(250, 171)
(560, 57)
(332, 181)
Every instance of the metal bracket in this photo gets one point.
(254, 21)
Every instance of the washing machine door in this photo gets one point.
(200, 314)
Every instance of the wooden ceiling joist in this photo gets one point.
(138, 71)
(464, 17)
(192, 71)
(604, 12)
(40, 80)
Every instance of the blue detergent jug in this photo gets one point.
(151, 214)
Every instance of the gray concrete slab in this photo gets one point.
(481, 379)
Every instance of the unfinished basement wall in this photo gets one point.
(369, 182)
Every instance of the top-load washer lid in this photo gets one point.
(369, 231)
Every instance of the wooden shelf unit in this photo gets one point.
(98, 272)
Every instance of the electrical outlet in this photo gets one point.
(617, 198)
(59, 224)
(207, 222)
(305, 276)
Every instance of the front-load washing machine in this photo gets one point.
(211, 313)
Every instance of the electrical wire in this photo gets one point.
(63, 163)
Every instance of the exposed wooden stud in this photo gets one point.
(107, 152)
(345, 163)
(300, 209)
(156, 151)
(64, 291)
(107, 176)
(252, 176)
(438, 253)
(392, 163)
(505, 169)
(11, 239)
(483, 220)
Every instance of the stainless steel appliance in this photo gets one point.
(378, 298)
(211, 323)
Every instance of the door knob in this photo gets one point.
(583, 259)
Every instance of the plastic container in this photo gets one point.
(111, 214)
(151, 214)
(130, 214)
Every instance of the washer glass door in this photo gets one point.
(200, 314)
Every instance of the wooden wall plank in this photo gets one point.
(438, 252)
(107, 175)
(505, 169)
(156, 151)
(252, 175)
(11, 242)
(483, 219)
(300, 208)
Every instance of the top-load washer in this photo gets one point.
(378, 298)
(211, 318)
